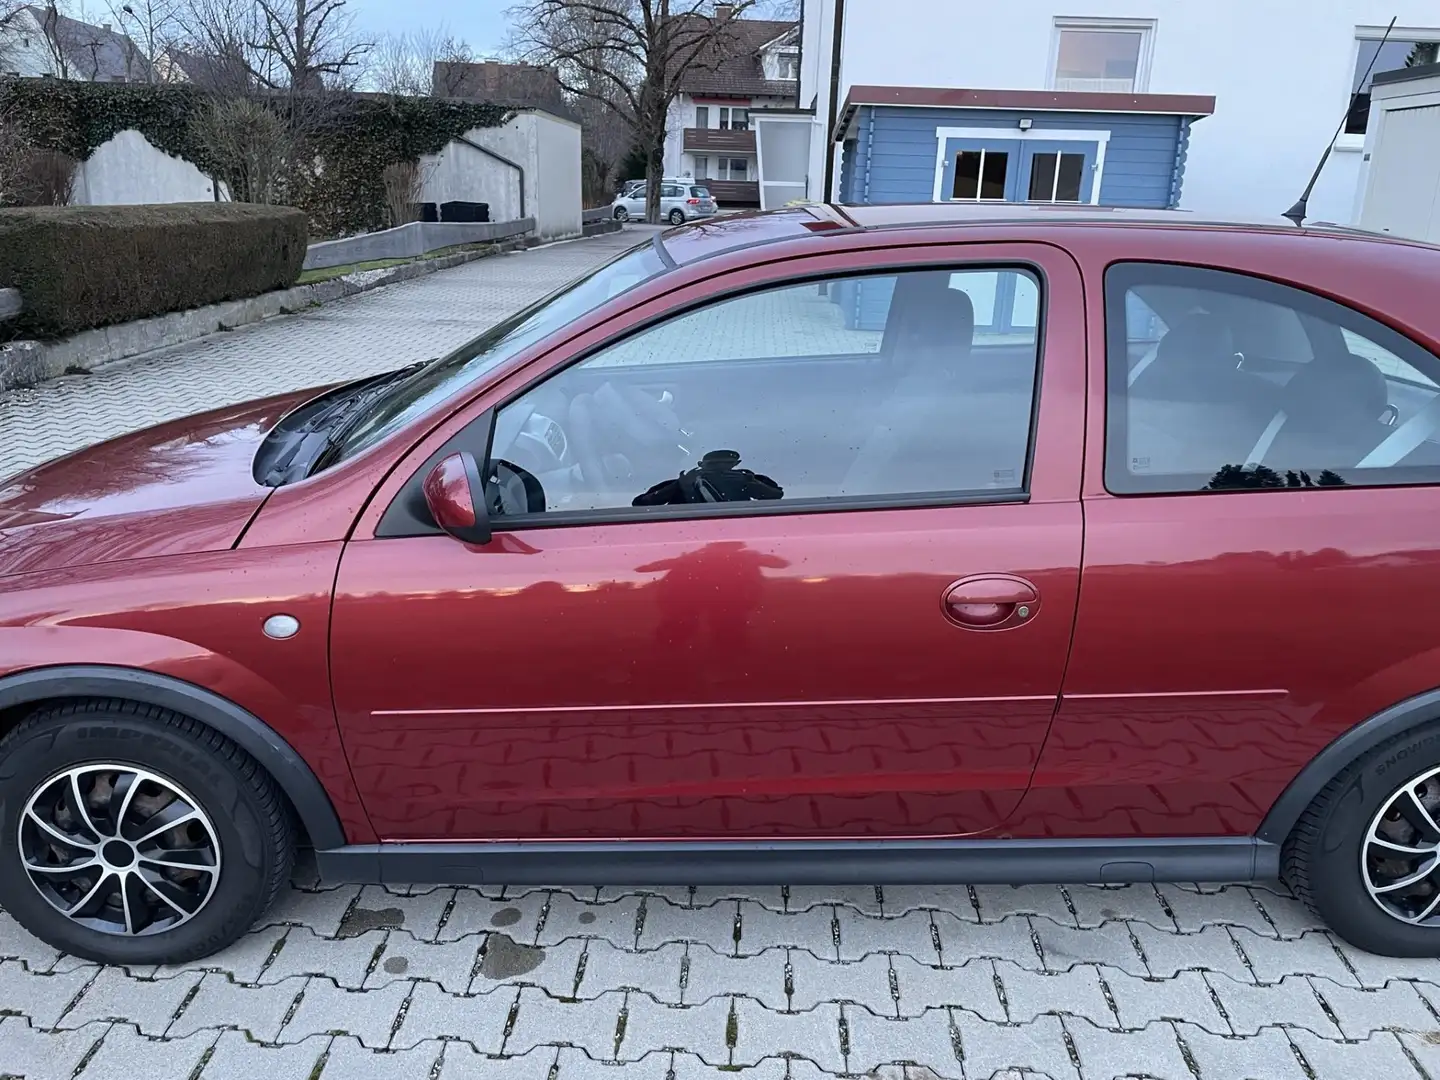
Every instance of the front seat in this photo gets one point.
(1192, 410)
(1330, 416)
(928, 337)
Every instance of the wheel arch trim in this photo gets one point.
(1344, 749)
(286, 767)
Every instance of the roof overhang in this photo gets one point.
(932, 97)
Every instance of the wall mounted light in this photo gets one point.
(1025, 123)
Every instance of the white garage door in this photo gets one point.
(1404, 190)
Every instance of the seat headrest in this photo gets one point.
(925, 312)
(1193, 360)
(1337, 385)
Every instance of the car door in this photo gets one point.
(1262, 565)
(858, 629)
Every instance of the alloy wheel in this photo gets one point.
(1400, 855)
(119, 849)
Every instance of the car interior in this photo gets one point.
(931, 410)
(1225, 381)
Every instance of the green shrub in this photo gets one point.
(79, 267)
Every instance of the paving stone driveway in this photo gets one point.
(1219, 983)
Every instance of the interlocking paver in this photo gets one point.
(1183, 996)
(678, 983)
(348, 1059)
(1380, 1056)
(117, 996)
(1397, 1006)
(1267, 1056)
(477, 1019)
(236, 1057)
(40, 998)
(368, 1015)
(1076, 992)
(1291, 1002)
(219, 1003)
(37, 1054)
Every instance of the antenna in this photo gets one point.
(1297, 212)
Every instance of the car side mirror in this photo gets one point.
(455, 497)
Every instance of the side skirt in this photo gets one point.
(806, 862)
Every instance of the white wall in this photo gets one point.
(545, 146)
(1281, 72)
(128, 169)
(23, 50)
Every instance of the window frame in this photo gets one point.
(1355, 141)
(1146, 28)
(1122, 274)
(837, 504)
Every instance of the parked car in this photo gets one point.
(894, 543)
(680, 201)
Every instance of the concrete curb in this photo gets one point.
(26, 363)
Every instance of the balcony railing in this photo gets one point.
(729, 193)
(719, 141)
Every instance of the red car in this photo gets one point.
(910, 544)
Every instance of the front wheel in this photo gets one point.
(677, 217)
(1365, 855)
(133, 835)
(621, 214)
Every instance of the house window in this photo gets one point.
(980, 174)
(732, 119)
(702, 168)
(1413, 51)
(789, 67)
(1109, 58)
(702, 116)
(1056, 177)
(739, 169)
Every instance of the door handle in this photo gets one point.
(991, 602)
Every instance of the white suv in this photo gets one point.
(681, 200)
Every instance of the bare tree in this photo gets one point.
(447, 74)
(632, 56)
(14, 17)
(307, 45)
(404, 64)
(153, 25)
(215, 41)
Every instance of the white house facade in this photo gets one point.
(753, 69)
(1221, 107)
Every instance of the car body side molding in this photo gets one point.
(807, 862)
(1344, 749)
(289, 770)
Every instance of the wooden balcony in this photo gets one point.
(729, 193)
(718, 141)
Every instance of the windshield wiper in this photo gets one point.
(318, 433)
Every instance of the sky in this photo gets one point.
(482, 23)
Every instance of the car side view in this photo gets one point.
(936, 544)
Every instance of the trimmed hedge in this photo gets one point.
(79, 267)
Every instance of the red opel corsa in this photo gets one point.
(909, 544)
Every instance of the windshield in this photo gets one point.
(433, 384)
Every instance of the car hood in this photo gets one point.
(181, 487)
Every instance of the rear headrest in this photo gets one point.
(1337, 385)
(926, 312)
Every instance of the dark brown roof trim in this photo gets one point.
(923, 97)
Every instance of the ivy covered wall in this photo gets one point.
(341, 142)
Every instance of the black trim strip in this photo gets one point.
(808, 862)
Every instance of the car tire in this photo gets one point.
(621, 214)
(677, 217)
(224, 860)
(1337, 861)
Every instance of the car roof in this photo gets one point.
(717, 236)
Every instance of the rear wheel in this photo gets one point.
(132, 835)
(621, 214)
(1365, 855)
(677, 217)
